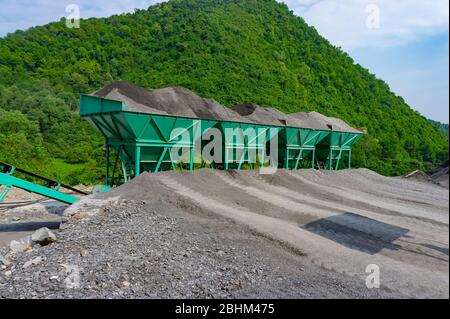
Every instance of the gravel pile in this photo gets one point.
(440, 175)
(322, 122)
(183, 102)
(130, 252)
(171, 100)
(153, 243)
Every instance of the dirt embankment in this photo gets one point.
(305, 234)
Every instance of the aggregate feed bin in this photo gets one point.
(153, 142)
(297, 146)
(336, 149)
(141, 141)
(242, 143)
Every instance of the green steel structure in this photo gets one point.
(299, 145)
(336, 147)
(239, 143)
(48, 188)
(144, 141)
(141, 141)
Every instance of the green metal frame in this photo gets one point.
(49, 188)
(143, 141)
(336, 147)
(241, 145)
(299, 145)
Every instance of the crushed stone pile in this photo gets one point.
(238, 234)
(171, 100)
(183, 102)
(440, 175)
(153, 243)
(322, 122)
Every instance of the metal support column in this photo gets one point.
(107, 163)
(191, 159)
(286, 162)
(349, 159)
(5, 192)
(137, 163)
(330, 161)
(313, 158)
(226, 158)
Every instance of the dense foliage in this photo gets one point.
(442, 127)
(234, 51)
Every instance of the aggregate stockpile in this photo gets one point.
(145, 119)
(180, 101)
(239, 234)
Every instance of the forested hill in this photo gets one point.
(442, 127)
(234, 51)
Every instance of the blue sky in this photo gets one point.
(404, 42)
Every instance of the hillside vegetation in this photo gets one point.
(234, 51)
(442, 127)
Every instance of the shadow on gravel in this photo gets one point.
(28, 226)
(358, 232)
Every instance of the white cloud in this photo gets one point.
(343, 22)
(22, 14)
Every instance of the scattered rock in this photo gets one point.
(88, 206)
(4, 261)
(21, 245)
(34, 261)
(84, 252)
(43, 236)
(72, 281)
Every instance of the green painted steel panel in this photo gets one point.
(11, 181)
(149, 138)
(91, 105)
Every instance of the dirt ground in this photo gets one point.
(312, 233)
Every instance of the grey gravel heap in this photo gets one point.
(152, 244)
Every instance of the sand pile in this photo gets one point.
(183, 102)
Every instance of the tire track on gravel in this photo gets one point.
(293, 200)
(374, 233)
(398, 276)
(406, 211)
